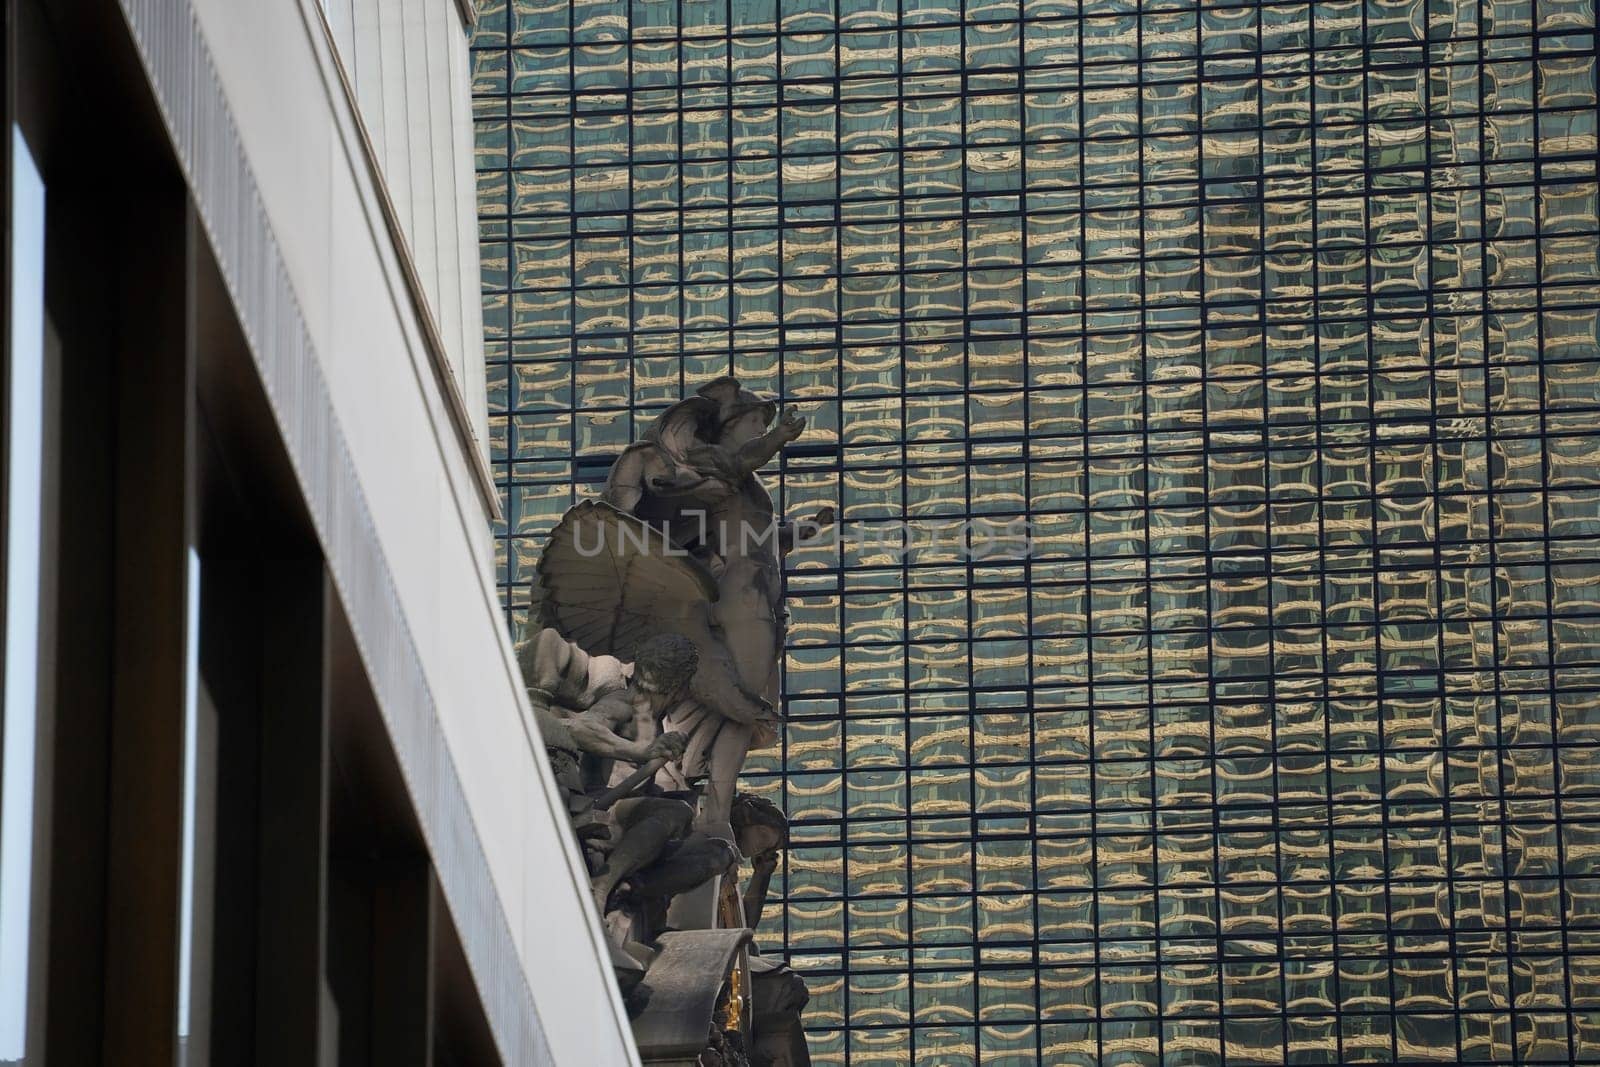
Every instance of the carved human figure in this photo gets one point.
(779, 995)
(694, 475)
(678, 567)
(594, 710)
(761, 831)
(602, 706)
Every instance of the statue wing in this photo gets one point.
(611, 581)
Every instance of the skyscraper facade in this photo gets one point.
(1209, 669)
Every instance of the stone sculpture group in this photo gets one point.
(652, 667)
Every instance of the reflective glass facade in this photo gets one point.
(1278, 325)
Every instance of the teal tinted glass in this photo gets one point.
(1268, 734)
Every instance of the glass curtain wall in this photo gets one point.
(1277, 324)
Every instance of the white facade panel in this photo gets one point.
(391, 491)
(401, 56)
(467, 275)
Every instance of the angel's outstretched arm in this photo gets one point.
(755, 454)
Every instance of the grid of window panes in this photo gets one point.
(1277, 322)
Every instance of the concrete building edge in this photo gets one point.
(176, 58)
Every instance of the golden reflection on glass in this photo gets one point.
(1278, 328)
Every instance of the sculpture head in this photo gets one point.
(663, 666)
(758, 825)
(741, 414)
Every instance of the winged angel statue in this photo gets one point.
(685, 540)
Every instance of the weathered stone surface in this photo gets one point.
(680, 1005)
(780, 997)
(655, 673)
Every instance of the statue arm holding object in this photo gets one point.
(593, 731)
(758, 452)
